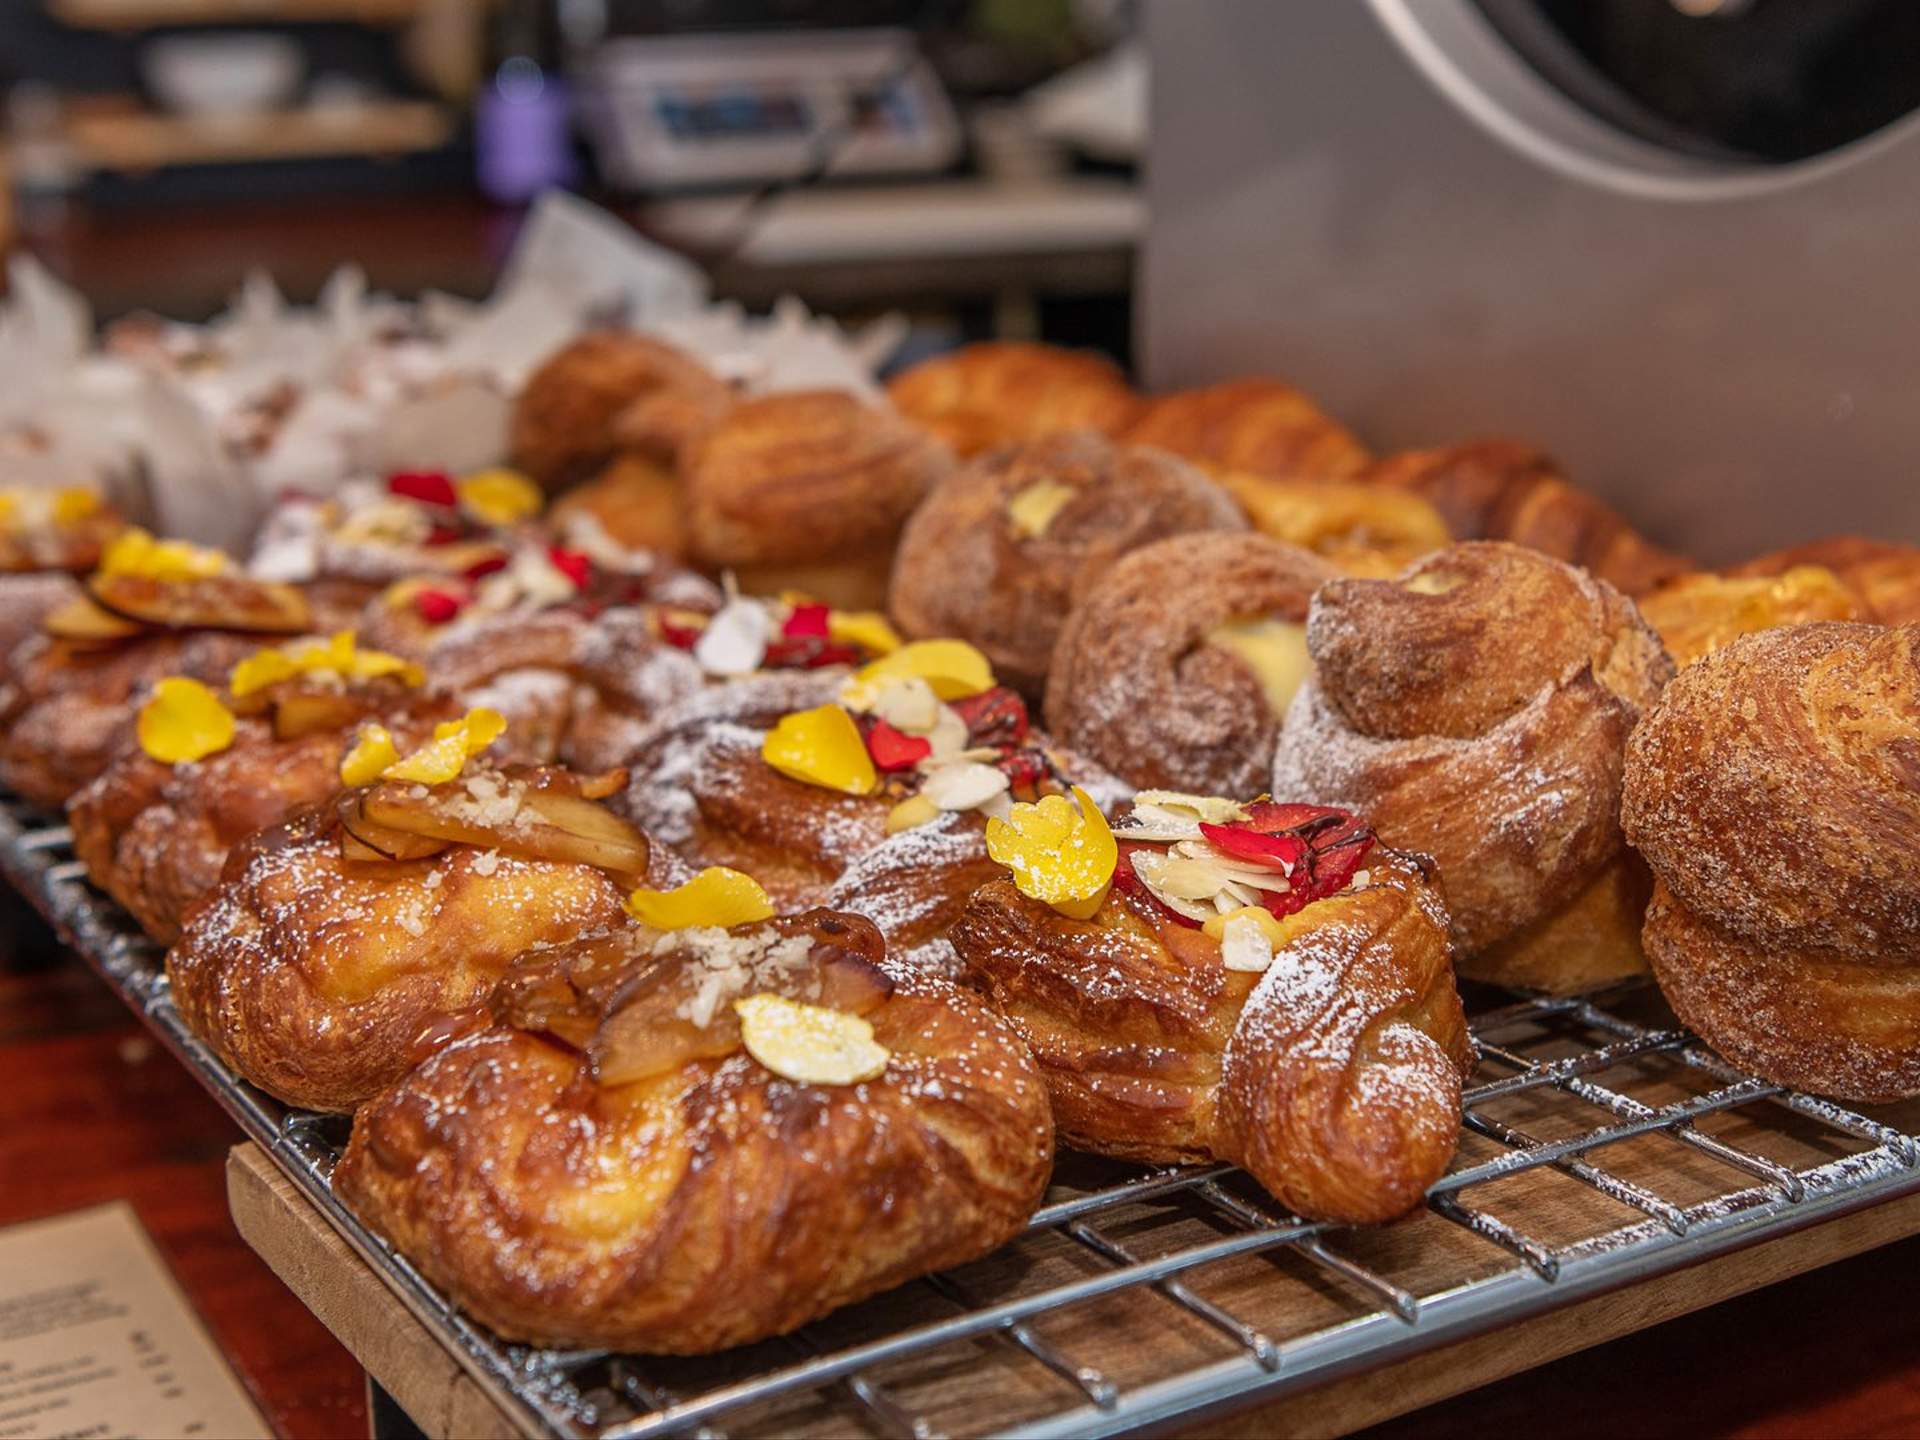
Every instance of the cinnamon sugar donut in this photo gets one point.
(1003, 392)
(1002, 549)
(1253, 425)
(1175, 668)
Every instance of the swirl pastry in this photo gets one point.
(807, 490)
(1698, 614)
(1253, 426)
(1175, 668)
(1002, 549)
(1502, 490)
(1884, 577)
(1358, 529)
(1007, 391)
(1476, 711)
(1254, 983)
(703, 1138)
(1775, 791)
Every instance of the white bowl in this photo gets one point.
(225, 75)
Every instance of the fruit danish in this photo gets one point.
(1883, 577)
(1253, 426)
(1004, 547)
(1175, 668)
(1358, 529)
(807, 490)
(1259, 983)
(337, 940)
(66, 529)
(1698, 614)
(212, 766)
(1775, 790)
(1476, 710)
(703, 1137)
(1006, 392)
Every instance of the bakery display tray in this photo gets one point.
(1603, 1148)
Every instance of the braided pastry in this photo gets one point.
(1884, 577)
(1476, 710)
(1502, 490)
(1775, 790)
(1178, 663)
(1255, 426)
(1001, 549)
(1007, 391)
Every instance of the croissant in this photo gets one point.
(1001, 549)
(1178, 663)
(1359, 529)
(1323, 1049)
(1698, 614)
(1255, 426)
(1775, 791)
(1884, 577)
(680, 1171)
(1502, 490)
(1476, 711)
(807, 490)
(1004, 392)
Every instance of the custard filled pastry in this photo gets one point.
(336, 941)
(807, 490)
(66, 530)
(211, 767)
(703, 1137)
(1253, 426)
(1003, 548)
(1775, 790)
(1358, 529)
(1004, 392)
(1502, 490)
(1476, 710)
(1698, 614)
(1177, 665)
(1258, 983)
(1884, 577)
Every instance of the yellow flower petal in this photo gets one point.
(716, 896)
(183, 721)
(867, 630)
(259, 670)
(1061, 852)
(338, 654)
(911, 813)
(822, 747)
(809, 1044)
(74, 503)
(499, 497)
(953, 668)
(454, 743)
(369, 758)
(135, 552)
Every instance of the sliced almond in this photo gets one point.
(965, 786)
(810, 1044)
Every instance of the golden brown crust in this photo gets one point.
(710, 1206)
(605, 392)
(313, 976)
(1503, 490)
(1003, 392)
(1361, 529)
(1135, 685)
(637, 501)
(1698, 614)
(1885, 577)
(1334, 1078)
(1476, 711)
(71, 547)
(1252, 425)
(967, 569)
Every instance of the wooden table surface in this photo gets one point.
(95, 1111)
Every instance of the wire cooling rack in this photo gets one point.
(1602, 1146)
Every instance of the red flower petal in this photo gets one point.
(1277, 852)
(805, 620)
(993, 717)
(437, 607)
(429, 487)
(480, 569)
(572, 564)
(895, 750)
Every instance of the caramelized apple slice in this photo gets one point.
(82, 622)
(648, 1039)
(541, 998)
(571, 828)
(309, 713)
(515, 817)
(217, 602)
(380, 842)
(850, 983)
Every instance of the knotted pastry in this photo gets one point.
(65, 530)
(703, 1138)
(1698, 614)
(1502, 490)
(1004, 392)
(807, 490)
(1255, 983)
(337, 939)
(1177, 665)
(1476, 711)
(1002, 549)
(1359, 529)
(1253, 426)
(1884, 577)
(1775, 790)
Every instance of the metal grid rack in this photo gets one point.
(1227, 1301)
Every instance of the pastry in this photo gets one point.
(65, 529)
(1476, 710)
(1004, 547)
(1775, 790)
(1698, 614)
(1253, 426)
(807, 490)
(608, 393)
(336, 939)
(703, 1138)
(1360, 529)
(211, 767)
(1258, 983)
(1885, 577)
(1004, 392)
(1175, 668)
(1502, 490)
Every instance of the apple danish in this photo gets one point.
(64, 530)
(1476, 710)
(1359, 529)
(1775, 790)
(1251, 426)
(1259, 983)
(703, 1137)
(1005, 392)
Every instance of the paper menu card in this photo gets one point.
(96, 1338)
